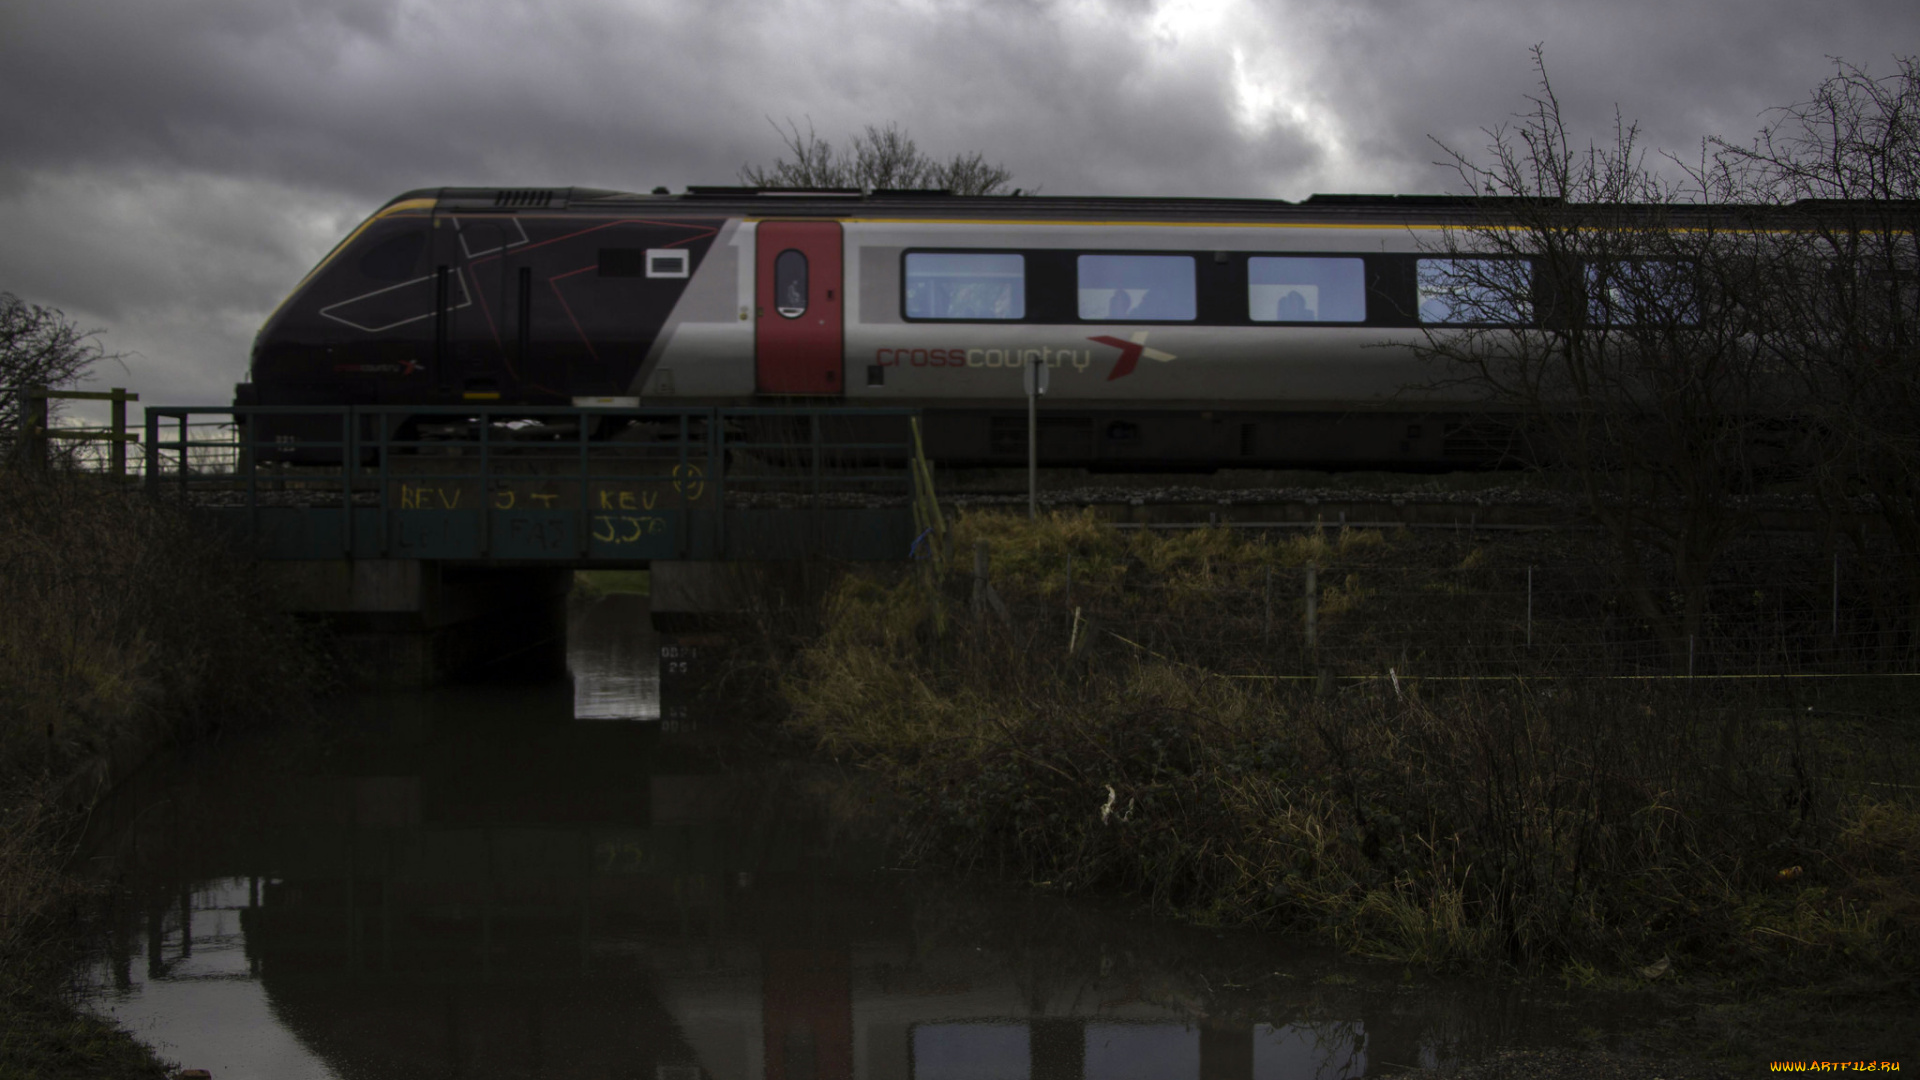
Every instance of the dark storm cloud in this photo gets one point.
(1413, 69)
(172, 167)
(352, 97)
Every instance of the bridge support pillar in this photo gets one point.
(409, 624)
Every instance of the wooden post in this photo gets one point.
(118, 448)
(1313, 610)
(980, 581)
(1266, 598)
(33, 427)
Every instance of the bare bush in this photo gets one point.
(879, 158)
(1839, 303)
(39, 347)
(1604, 307)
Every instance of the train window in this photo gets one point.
(966, 285)
(1475, 291)
(1306, 290)
(393, 259)
(1137, 288)
(1641, 292)
(790, 284)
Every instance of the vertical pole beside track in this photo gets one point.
(1035, 378)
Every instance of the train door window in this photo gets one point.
(1641, 292)
(965, 285)
(1291, 289)
(790, 284)
(1137, 288)
(1475, 291)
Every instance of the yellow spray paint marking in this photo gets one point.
(628, 500)
(627, 528)
(689, 480)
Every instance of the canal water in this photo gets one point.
(550, 880)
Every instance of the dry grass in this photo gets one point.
(127, 627)
(1601, 828)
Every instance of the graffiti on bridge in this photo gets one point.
(685, 486)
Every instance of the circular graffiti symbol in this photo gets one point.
(689, 480)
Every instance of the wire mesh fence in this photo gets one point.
(1452, 608)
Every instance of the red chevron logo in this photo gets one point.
(1129, 354)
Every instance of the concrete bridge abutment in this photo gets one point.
(403, 624)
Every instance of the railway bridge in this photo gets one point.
(443, 539)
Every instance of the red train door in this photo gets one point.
(798, 297)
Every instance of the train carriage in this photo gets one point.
(1178, 333)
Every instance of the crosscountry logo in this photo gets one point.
(1130, 353)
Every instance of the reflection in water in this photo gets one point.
(480, 882)
(612, 655)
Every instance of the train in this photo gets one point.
(1175, 333)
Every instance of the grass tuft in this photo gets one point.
(1600, 829)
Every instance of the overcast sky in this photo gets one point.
(172, 167)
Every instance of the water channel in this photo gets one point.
(550, 880)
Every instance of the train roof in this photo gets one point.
(732, 201)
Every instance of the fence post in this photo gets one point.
(1529, 607)
(1836, 595)
(1313, 611)
(33, 427)
(153, 452)
(118, 451)
(1266, 599)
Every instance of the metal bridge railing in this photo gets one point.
(478, 482)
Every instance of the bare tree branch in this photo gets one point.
(39, 347)
(878, 158)
(1599, 305)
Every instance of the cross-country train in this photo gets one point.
(1177, 333)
